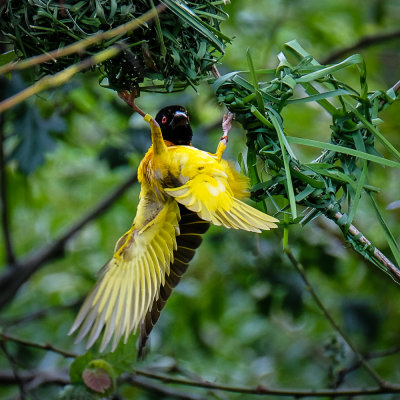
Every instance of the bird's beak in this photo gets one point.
(179, 119)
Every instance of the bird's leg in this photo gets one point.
(129, 97)
(226, 127)
(156, 136)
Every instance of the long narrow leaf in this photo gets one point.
(292, 199)
(375, 132)
(186, 14)
(253, 75)
(344, 150)
(352, 60)
(387, 232)
(320, 96)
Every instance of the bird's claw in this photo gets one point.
(227, 125)
(129, 97)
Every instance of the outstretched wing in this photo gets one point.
(130, 283)
(213, 196)
(191, 227)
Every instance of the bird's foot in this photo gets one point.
(129, 97)
(226, 125)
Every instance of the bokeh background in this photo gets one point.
(241, 314)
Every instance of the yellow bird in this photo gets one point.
(183, 190)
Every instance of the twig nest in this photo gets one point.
(166, 54)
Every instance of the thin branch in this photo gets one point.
(80, 46)
(391, 268)
(157, 388)
(13, 365)
(12, 279)
(10, 257)
(368, 356)
(329, 317)
(64, 76)
(262, 390)
(396, 86)
(41, 313)
(34, 379)
(51, 81)
(364, 42)
(47, 346)
(8, 378)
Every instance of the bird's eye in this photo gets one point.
(164, 120)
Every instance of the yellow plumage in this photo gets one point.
(182, 189)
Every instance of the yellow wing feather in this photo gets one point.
(130, 282)
(212, 189)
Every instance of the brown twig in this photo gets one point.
(13, 365)
(81, 45)
(391, 268)
(34, 379)
(368, 356)
(12, 279)
(50, 81)
(5, 224)
(328, 316)
(41, 313)
(262, 390)
(47, 346)
(129, 97)
(156, 388)
(364, 42)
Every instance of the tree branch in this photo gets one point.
(360, 358)
(12, 279)
(7, 377)
(34, 379)
(47, 346)
(391, 268)
(81, 45)
(58, 79)
(15, 373)
(10, 258)
(262, 390)
(364, 42)
(40, 313)
(156, 388)
(368, 356)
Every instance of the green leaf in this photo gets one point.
(387, 232)
(187, 15)
(78, 366)
(352, 60)
(320, 96)
(7, 57)
(253, 75)
(35, 138)
(344, 150)
(375, 132)
(289, 188)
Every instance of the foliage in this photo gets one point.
(242, 315)
(177, 49)
(339, 175)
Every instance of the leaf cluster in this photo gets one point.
(339, 176)
(177, 49)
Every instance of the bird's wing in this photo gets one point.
(130, 283)
(191, 227)
(211, 190)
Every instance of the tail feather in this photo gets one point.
(190, 227)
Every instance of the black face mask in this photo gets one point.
(175, 126)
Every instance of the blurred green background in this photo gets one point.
(241, 314)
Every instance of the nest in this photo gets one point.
(176, 50)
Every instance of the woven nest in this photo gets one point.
(178, 51)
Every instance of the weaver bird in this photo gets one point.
(183, 190)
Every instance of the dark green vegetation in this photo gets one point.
(242, 315)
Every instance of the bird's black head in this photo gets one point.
(175, 126)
